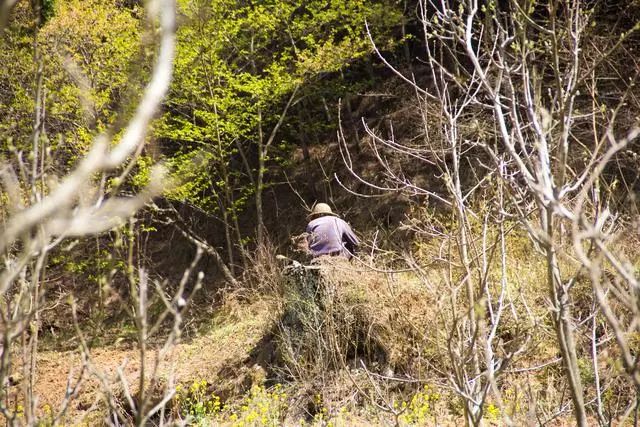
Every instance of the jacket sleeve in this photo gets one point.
(349, 238)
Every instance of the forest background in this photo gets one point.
(159, 160)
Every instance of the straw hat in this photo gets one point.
(321, 209)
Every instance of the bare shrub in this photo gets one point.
(43, 210)
(513, 124)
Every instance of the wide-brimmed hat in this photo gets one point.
(321, 209)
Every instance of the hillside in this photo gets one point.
(161, 161)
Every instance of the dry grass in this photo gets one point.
(369, 338)
(234, 333)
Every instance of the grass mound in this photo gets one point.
(337, 315)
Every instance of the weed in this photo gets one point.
(420, 410)
(492, 413)
(196, 403)
(261, 407)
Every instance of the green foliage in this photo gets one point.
(86, 52)
(47, 9)
(585, 368)
(17, 100)
(90, 49)
(236, 66)
(92, 264)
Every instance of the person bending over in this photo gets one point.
(328, 234)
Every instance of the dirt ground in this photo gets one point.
(226, 346)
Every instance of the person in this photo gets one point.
(328, 234)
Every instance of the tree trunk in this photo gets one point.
(563, 324)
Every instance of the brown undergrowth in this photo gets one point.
(357, 345)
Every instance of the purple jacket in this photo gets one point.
(329, 235)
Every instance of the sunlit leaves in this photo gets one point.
(90, 48)
(238, 62)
